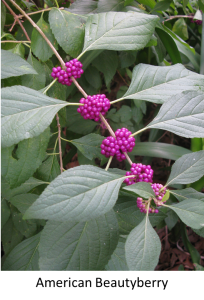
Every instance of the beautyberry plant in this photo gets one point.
(88, 96)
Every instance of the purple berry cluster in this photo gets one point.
(198, 22)
(142, 173)
(158, 192)
(123, 143)
(142, 205)
(93, 106)
(74, 69)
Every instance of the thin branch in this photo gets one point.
(137, 132)
(16, 19)
(107, 125)
(79, 87)
(109, 162)
(178, 16)
(128, 158)
(41, 32)
(59, 141)
(7, 41)
(38, 12)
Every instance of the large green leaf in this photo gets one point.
(29, 153)
(107, 63)
(118, 261)
(161, 150)
(10, 236)
(8, 193)
(38, 44)
(77, 195)
(162, 5)
(24, 256)
(110, 5)
(83, 7)
(79, 246)
(187, 169)
(49, 169)
(14, 65)
(25, 113)
(89, 145)
(118, 31)
(191, 212)
(187, 193)
(35, 82)
(68, 30)
(23, 201)
(142, 189)
(129, 215)
(142, 247)
(5, 212)
(157, 84)
(182, 114)
(180, 28)
(26, 227)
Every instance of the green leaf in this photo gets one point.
(142, 247)
(24, 256)
(49, 169)
(110, 5)
(120, 31)
(26, 227)
(162, 5)
(156, 84)
(23, 113)
(77, 195)
(187, 169)
(68, 30)
(29, 153)
(76, 123)
(180, 28)
(143, 189)
(38, 44)
(35, 82)
(23, 201)
(150, 3)
(170, 45)
(127, 58)
(24, 188)
(162, 150)
(19, 49)
(83, 7)
(118, 261)
(191, 212)
(182, 114)
(79, 246)
(93, 77)
(5, 212)
(129, 215)
(107, 63)
(14, 65)
(187, 193)
(199, 231)
(10, 236)
(89, 145)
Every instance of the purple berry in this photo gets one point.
(141, 172)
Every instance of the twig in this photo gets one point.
(122, 78)
(107, 125)
(6, 41)
(161, 136)
(109, 162)
(41, 32)
(79, 87)
(178, 16)
(59, 141)
(128, 158)
(38, 12)
(16, 19)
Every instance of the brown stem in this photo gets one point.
(175, 17)
(38, 12)
(6, 41)
(16, 19)
(107, 125)
(59, 141)
(40, 31)
(79, 87)
(128, 158)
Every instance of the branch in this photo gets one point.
(38, 12)
(16, 19)
(59, 141)
(41, 32)
(178, 16)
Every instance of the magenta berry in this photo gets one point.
(159, 193)
(93, 106)
(123, 143)
(74, 69)
(143, 204)
(142, 173)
